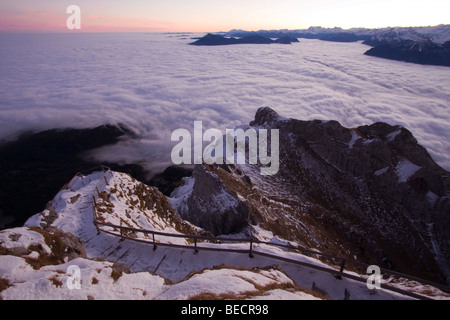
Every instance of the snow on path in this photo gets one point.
(176, 264)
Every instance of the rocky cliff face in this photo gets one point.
(370, 193)
(411, 46)
(421, 52)
(213, 206)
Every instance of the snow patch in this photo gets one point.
(278, 294)
(355, 137)
(225, 282)
(20, 237)
(391, 136)
(369, 141)
(179, 196)
(381, 171)
(405, 170)
(431, 197)
(50, 282)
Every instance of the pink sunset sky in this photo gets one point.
(219, 15)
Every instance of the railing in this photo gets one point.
(216, 241)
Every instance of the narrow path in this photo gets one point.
(111, 242)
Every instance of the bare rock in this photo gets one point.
(213, 206)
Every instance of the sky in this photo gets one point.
(219, 15)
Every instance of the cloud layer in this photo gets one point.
(156, 83)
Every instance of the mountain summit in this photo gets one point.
(371, 193)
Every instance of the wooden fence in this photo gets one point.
(251, 251)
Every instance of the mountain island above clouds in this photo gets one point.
(421, 45)
(218, 40)
(370, 194)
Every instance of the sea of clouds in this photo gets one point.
(156, 83)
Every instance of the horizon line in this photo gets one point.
(221, 31)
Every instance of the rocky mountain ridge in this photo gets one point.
(422, 45)
(438, 34)
(370, 193)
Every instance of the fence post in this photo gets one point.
(93, 209)
(121, 231)
(341, 270)
(154, 243)
(250, 254)
(195, 246)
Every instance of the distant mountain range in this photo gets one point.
(438, 34)
(422, 45)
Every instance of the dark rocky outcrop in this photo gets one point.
(212, 206)
(382, 189)
(286, 39)
(170, 178)
(218, 40)
(421, 52)
(64, 246)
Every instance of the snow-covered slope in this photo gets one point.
(438, 34)
(35, 260)
(22, 277)
(106, 280)
(127, 202)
